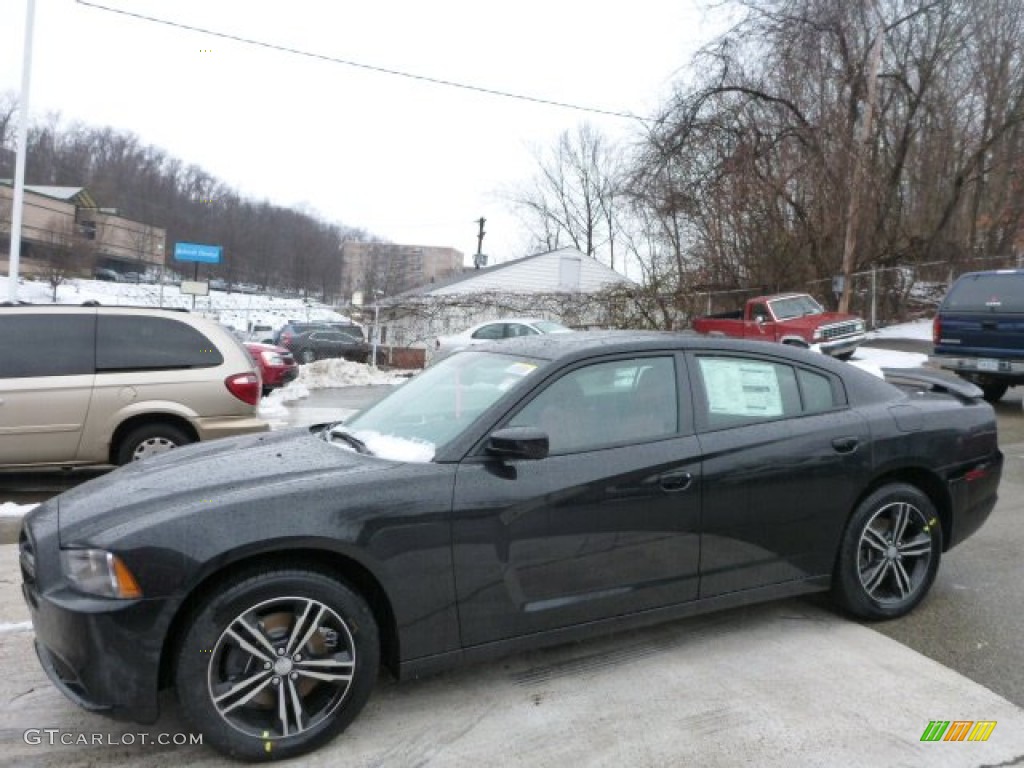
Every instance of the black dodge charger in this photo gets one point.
(534, 492)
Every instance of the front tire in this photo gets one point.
(889, 554)
(150, 440)
(276, 664)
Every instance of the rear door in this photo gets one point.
(47, 371)
(784, 460)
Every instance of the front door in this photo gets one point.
(604, 526)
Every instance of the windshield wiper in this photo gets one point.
(338, 430)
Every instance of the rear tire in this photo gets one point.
(889, 554)
(994, 390)
(276, 664)
(150, 440)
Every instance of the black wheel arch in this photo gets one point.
(127, 426)
(926, 481)
(328, 562)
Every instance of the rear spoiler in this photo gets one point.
(934, 382)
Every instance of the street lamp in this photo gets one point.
(376, 328)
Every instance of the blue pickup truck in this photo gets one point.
(979, 330)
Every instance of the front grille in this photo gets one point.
(26, 557)
(839, 329)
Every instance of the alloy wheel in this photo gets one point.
(894, 552)
(281, 667)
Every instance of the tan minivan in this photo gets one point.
(109, 385)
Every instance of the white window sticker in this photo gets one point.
(742, 387)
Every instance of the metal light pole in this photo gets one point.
(376, 328)
(19, 163)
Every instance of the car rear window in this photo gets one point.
(47, 345)
(151, 343)
(987, 292)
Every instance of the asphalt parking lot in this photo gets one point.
(790, 683)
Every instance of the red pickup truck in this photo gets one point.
(789, 318)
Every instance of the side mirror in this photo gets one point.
(760, 319)
(518, 443)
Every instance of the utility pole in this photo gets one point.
(19, 163)
(479, 259)
(859, 149)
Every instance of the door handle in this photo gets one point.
(845, 444)
(673, 482)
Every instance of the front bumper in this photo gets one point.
(843, 346)
(102, 654)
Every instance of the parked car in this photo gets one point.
(538, 490)
(494, 330)
(276, 365)
(310, 342)
(789, 318)
(978, 330)
(262, 334)
(86, 385)
(107, 275)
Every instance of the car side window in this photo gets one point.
(605, 404)
(816, 391)
(47, 345)
(151, 343)
(739, 390)
(760, 311)
(492, 331)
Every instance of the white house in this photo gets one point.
(557, 285)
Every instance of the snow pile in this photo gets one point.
(10, 509)
(336, 372)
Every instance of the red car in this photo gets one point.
(276, 364)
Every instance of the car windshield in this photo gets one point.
(549, 326)
(795, 306)
(436, 406)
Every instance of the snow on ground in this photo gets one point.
(10, 509)
(890, 358)
(918, 329)
(236, 310)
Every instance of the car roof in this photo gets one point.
(566, 347)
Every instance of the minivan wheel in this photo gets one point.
(889, 554)
(276, 664)
(307, 356)
(150, 440)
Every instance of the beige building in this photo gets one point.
(392, 268)
(68, 216)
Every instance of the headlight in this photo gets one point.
(860, 325)
(272, 358)
(98, 572)
(817, 334)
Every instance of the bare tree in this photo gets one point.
(574, 199)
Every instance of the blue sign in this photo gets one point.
(207, 254)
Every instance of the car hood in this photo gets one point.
(212, 474)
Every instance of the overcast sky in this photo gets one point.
(407, 160)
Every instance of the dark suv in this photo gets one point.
(309, 342)
(979, 330)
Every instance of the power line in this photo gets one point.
(360, 65)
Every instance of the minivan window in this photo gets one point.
(987, 292)
(151, 343)
(47, 345)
